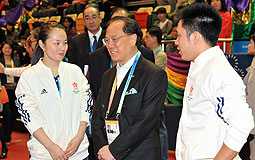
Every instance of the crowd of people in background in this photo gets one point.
(94, 53)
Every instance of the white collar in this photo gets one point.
(97, 34)
(127, 65)
(208, 54)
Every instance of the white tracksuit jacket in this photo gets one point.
(214, 109)
(40, 106)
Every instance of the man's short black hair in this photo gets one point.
(202, 18)
(155, 31)
(161, 10)
(130, 26)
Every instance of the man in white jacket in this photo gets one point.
(215, 120)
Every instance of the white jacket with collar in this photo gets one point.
(214, 109)
(40, 106)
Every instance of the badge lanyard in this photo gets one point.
(157, 52)
(10, 79)
(125, 88)
(58, 85)
(111, 63)
(114, 86)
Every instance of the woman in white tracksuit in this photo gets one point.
(54, 100)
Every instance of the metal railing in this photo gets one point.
(224, 40)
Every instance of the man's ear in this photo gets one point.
(133, 38)
(196, 37)
(154, 38)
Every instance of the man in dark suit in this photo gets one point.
(81, 45)
(100, 60)
(140, 86)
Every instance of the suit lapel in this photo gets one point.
(100, 43)
(87, 41)
(118, 93)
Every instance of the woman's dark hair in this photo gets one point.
(224, 7)
(161, 10)
(45, 30)
(70, 20)
(11, 24)
(11, 44)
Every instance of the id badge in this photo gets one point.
(112, 129)
(10, 79)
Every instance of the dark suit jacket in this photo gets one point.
(100, 62)
(140, 115)
(79, 49)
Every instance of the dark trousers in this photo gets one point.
(2, 138)
(245, 151)
(10, 113)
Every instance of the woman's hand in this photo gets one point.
(73, 146)
(56, 152)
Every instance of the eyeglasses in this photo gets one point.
(29, 41)
(7, 48)
(93, 18)
(107, 40)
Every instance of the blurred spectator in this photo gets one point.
(11, 33)
(45, 9)
(2, 3)
(70, 27)
(152, 40)
(107, 6)
(23, 30)
(172, 3)
(2, 35)
(119, 12)
(9, 5)
(36, 24)
(2, 136)
(78, 6)
(248, 150)
(23, 54)
(10, 111)
(227, 22)
(171, 48)
(164, 24)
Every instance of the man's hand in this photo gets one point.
(105, 154)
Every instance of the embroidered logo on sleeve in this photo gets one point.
(24, 114)
(89, 101)
(75, 87)
(220, 106)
